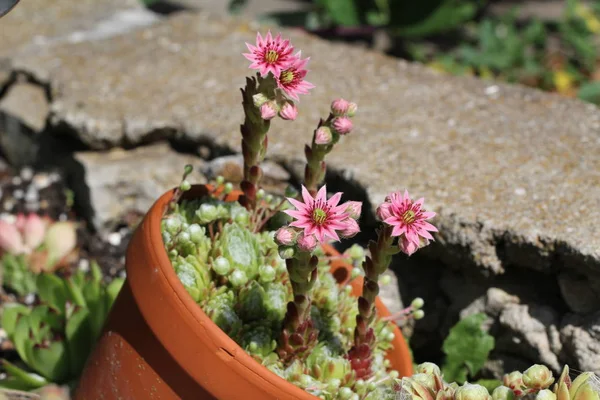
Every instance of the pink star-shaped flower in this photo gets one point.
(270, 54)
(318, 216)
(291, 79)
(408, 219)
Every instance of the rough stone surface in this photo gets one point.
(23, 112)
(29, 25)
(511, 171)
(530, 328)
(122, 181)
(581, 341)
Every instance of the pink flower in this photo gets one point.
(339, 107)
(318, 215)
(268, 111)
(270, 55)
(289, 111)
(351, 230)
(354, 208)
(11, 240)
(323, 135)
(407, 218)
(285, 236)
(291, 80)
(408, 247)
(342, 125)
(307, 242)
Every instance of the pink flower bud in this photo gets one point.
(34, 231)
(352, 108)
(339, 107)
(10, 238)
(351, 228)
(323, 135)
(289, 111)
(383, 211)
(20, 222)
(268, 110)
(408, 247)
(342, 125)
(307, 243)
(285, 236)
(354, 208)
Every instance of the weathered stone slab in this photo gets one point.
(121, 181)
(512, 172)
(32, 23)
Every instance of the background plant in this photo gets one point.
(54, 338)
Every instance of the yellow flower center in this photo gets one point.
(319, 216)
(286, 76)
(271, 56)
(408, 217)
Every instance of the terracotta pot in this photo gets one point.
(159, 344)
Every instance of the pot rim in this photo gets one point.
(194, 318)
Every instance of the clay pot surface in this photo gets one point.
(159, 344)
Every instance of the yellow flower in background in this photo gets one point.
(563, 81)
(591, 21)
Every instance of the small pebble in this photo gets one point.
(16, 181)
(41, 181)
(114, 238)
(18, 194)
(26, 174)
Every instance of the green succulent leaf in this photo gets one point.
(20, 379)
(467, 347)
(51, 361)
(80, 339)
(52, 291)
(11, 312)
(17, 275)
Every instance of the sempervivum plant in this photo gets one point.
(536, 383)
(257, 267)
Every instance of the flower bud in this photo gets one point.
(339, 107)
(419, 314)
(428, 368)
(221, 266)
(289, 111)
(268, 110)
(286, 252)
(286, 236)
(417, 303)
(260, 193)
(354, 208)
(307, 243)
(220, 180)
(342, 125)
(259, 99)
(323, 136)
(345, 393)
(406, 246)
(355, 273)
(266, 273)
(470, 391)
(185, 186)
(352, 108)
(351, 228)
(544, 394)
(503, 393)
(385, 280)
(537, 377)
(383, 211)
(10, 238)
(60, 241)
(514, 380)
(228, 188)
(238, 278)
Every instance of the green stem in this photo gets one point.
(314, 172)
